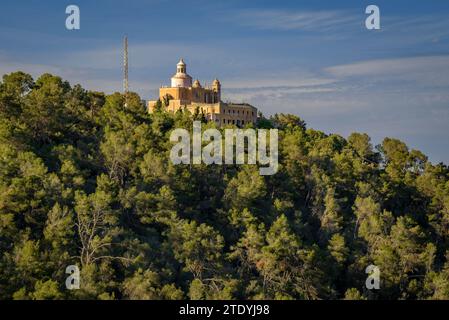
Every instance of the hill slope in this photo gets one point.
(85, 181)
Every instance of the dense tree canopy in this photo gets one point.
(86, 181)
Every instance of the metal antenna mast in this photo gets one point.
(125, 70)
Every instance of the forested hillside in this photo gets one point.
(86, 181)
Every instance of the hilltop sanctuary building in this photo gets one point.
(182, 94)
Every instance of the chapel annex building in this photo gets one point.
(182, 94)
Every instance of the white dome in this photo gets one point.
(181, 78)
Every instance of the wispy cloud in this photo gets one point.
(142, 55)
(427, 70)
(246, 95)
(296, 20)
(89, 78)
(424, 26)
(418, 75)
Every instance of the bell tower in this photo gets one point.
(181, 67)
(216, 86)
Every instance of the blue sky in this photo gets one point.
(314, 59)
